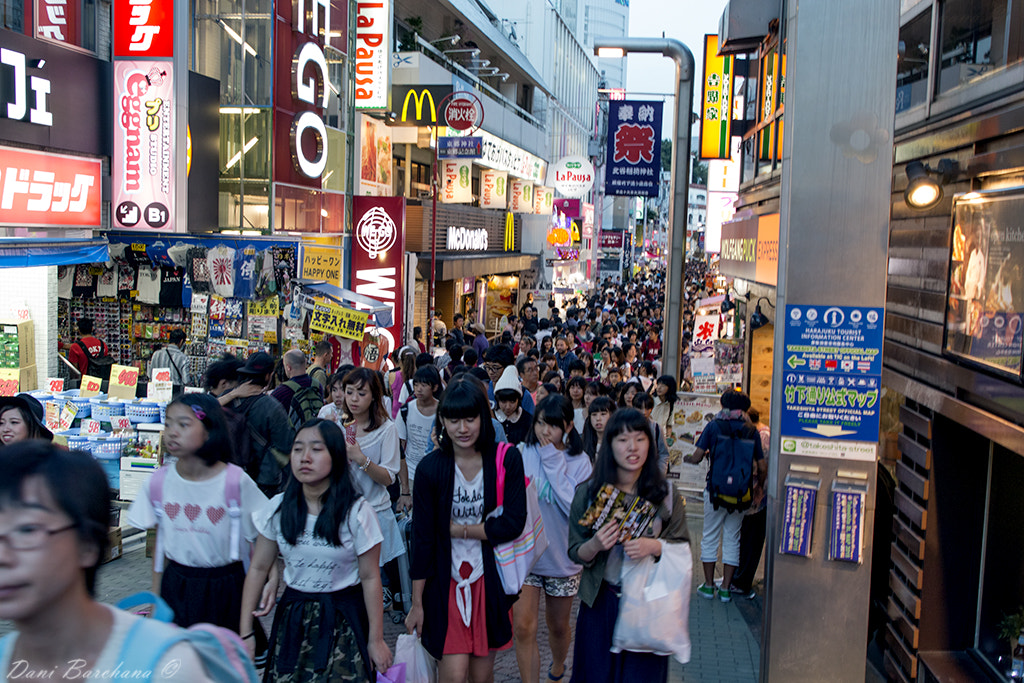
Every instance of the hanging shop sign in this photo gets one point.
(504, 156)
(378, 255)
(520, 196)
(611, 239)
(573, 176)
(634, 149)
(143, 159)
(493, 189)
(716, 102)
(375, 153)
(587, 211)
(419, 103)
(543, 200)
(567, 207)
(464, 111)
(464, 239)
(49, 190)
(143, 29)
(459, 148)
(373, 52)
(321, 263)
(456, 181)
(338, 320)
(705, 332)
(750, 249)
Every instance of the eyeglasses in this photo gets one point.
(31, 536)
(493, 367)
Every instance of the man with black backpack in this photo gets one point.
(735, 457)
(301, 399)
(89, 354)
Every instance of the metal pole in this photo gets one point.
(433, 251)
(675, 256)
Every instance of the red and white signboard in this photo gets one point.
(49, 190)
(573, 176)
(543, 200)
(587, 211)
(378, 256)
(143, 29)
(464, 111)
(493, 189)
(456, 181)
(143, 158)
(520, 196)
(611, 239)
(373, 53)
(57, 20)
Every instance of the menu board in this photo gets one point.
(985, 306)
(690, 415)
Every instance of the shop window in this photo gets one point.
(977, 39)
(12, 15)
(913, 61)
(69, 22)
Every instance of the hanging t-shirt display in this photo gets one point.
(106, 285)
(157, 253)
(245, 284)
(284, 266)
(125, 279)
(218, 314)
(149, 285)
(234, 323)
(85, 282)
(221, 262)
(266, 283)
(179, 254)
(65, 280)
(198, 270)
(171, 286)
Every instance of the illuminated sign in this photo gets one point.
(574, 176)
(15, 101)
(716, 102)
(42, 189)
(419, 104)
(58, 20)
(310, 85)
(510, 232)
(566, 254)
(378, 255)
(464, 239)
(373, 52)
(611, 239)
(143, 29)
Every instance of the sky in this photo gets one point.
(684, 20)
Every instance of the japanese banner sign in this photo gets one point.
(716, 102)
(378, 256)
(269, 307)
(341, 322)
(43, 189)
(493, 189)
(144, 29)
(634, 148)
(322, 263)
(58, 20)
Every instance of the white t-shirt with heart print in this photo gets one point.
(195, 526)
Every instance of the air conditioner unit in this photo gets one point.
(744, 24)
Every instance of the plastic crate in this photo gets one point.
(142, 412)
(107, 446)
(84, 404)
(103, 409)
(76, 440)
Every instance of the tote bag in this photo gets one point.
(655, 605)
(516, 558)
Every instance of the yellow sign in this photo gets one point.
(321, 263)
(342, 322)
(124, 380)
(510, 232)
(716, 102)
(419, 99)
(575, 232)
(90, 386)
(9, 378)
(268, 307)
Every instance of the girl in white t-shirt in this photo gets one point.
(329, 624)
(202, 574)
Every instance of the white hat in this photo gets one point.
(509, 380)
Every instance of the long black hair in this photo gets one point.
(651, 484)
(218, 446)
(671, 395)
(361, 378)
(464, 398)
(557, 411)
(336, 501)
(591, 440)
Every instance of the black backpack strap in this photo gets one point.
(85, 349)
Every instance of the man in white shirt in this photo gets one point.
(415, 424)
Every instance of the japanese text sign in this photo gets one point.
(269, 307)
(58, 20)
(143, 158)
(612, 239)
(67, 416)
(43, 189)
(634, 148)
(143, 28)
(832, 372)
(846, 526)
(543, 200)
(123, 381)
(716, 102)
(90, 386)
(373, 54)
(460, 147)
(798, 519)
(342, 322)
(705, 332)
(321, 263)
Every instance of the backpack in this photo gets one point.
(319, 377)
(99, 366)
(306, 403)
(233, 497)
(731, 478)
(241, 441)
(221, 650)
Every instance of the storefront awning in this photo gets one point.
(382, 312)
(25, 252)
(453, 267)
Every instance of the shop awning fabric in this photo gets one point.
(382, 312)
(24, 252)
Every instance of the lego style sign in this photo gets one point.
(634, 148)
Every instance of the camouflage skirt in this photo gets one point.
(319, 637)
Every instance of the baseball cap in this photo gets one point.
(258, 365)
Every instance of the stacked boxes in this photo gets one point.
(18, 352)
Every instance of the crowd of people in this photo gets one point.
(285, 472)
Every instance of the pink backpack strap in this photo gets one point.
(156, 497)
(499, 462)
(233, 497)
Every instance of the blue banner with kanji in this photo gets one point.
(634, 148)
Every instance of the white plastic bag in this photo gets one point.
(420, 667)
(654, 609)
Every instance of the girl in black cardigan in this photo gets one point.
(463, 621)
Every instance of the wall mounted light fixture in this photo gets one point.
(923, 191)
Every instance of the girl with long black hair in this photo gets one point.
(329, 624)
(459, 606)
(598, 413)
(628, 461)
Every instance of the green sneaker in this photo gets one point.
(724, 595)
(705, 591)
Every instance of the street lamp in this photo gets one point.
(675, 256)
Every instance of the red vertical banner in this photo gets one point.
(378, 256)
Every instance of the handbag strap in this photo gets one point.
(499, 462)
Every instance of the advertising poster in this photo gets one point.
(520, 196)
(985, 309)
(543, 200)
(634, 148)
(456, 181)
(690, 415)
(143, 157)
(501, 299)
(493, 189)
(375, 157)
(798, 518)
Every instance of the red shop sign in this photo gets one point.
(39, 189)
(378, 255)
(144, 28)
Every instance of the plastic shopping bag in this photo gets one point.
(654, 608)
(420, 667)
(396, 674)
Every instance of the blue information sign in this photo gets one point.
(832, 372)
(846, 527)
(798, 519)
(460, 148)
